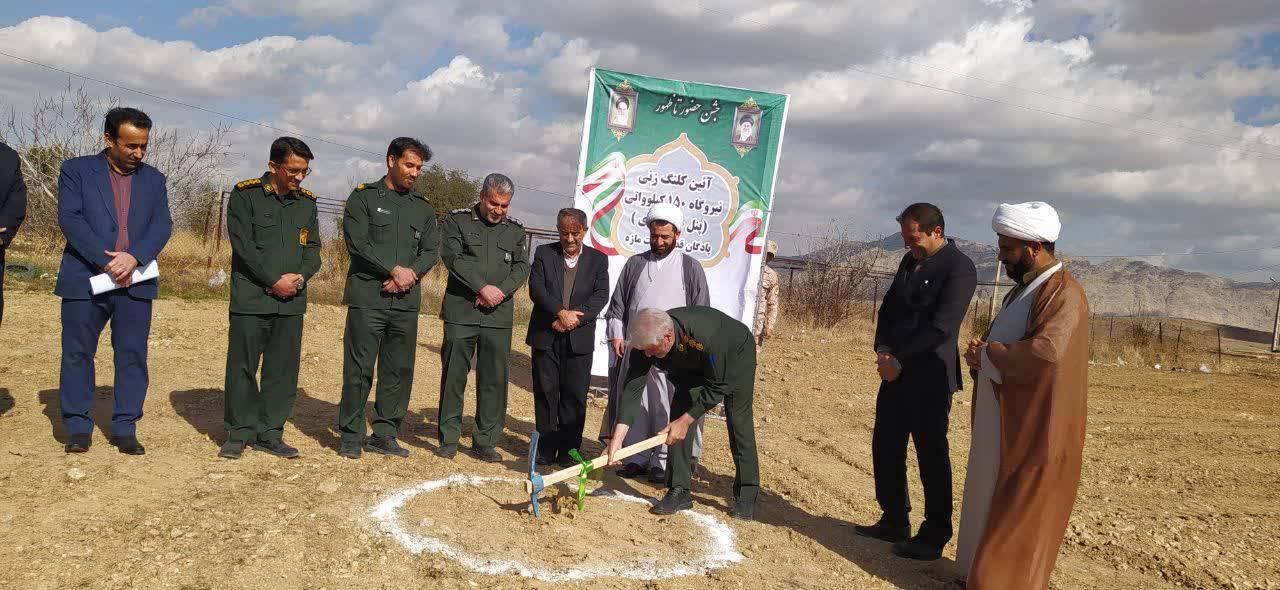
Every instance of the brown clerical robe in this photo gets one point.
(1042, 425)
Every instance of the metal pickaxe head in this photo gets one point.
(534, 485)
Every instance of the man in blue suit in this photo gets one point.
(114, 211)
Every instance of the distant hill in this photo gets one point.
(1115, 287)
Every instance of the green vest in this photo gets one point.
(385, 229)
(271, 235)
(478, 253)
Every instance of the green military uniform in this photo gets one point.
(478, 253)
(271, 235)
(383, 229)
(713, 359)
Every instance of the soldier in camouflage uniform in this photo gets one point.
(392, 238)
(767, 298)
(275, 248)
(485, 253)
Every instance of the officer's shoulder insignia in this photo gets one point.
(515, 221)
(250, 183)
(460, 210)
(307, 193)
(360, 186)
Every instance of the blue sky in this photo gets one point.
(495, 85)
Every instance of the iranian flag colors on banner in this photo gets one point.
(710, 150)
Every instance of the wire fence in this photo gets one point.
(197, 260)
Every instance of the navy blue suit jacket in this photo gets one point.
(87, 216)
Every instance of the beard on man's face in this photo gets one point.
(1016, 270)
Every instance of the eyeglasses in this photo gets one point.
(303, 173)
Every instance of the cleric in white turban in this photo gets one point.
(1029, 404)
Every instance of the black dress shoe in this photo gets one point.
(657, 474)
(78, 443)
(543, 461)
(915, 548)
(486, 454)
(677, 499)
(350, 449)
(231, 449)
(885, 531)
(386, 445)
(276, 447)
(631, 471)
(565, 461)
(446, 451)
(128, 445)
(743, 509)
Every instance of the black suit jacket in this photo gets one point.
(920, 318)
(546, 288)
(13, 196)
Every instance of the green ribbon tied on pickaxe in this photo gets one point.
(582, 475)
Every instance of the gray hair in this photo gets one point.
(572, 214)
(499, 184)
(649, 326)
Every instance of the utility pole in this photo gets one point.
(1275, 332)
(995, 290)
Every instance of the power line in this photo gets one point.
(888, 55)
(233, 117)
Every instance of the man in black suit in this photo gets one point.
(13, 206)
(569, 286)
(918, 358)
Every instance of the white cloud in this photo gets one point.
(858, 146)
(284, 65)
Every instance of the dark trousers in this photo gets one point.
(82, 324)
(738, 417)
(560, 382)
(493, 359)
(387, 339)
(920, 409)
(251, 412)
(1, 285)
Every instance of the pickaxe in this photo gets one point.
(536, 483)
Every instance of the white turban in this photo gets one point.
(1029, 222)
(665, 212)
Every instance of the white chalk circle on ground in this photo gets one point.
(720, 553)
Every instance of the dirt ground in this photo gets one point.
(1180, 484)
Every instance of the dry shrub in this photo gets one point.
(835, 285)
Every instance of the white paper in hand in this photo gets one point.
(102, 283)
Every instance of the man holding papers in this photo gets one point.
(114, 211)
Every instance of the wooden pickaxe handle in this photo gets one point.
(572, 472)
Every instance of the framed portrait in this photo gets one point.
(623, 103)
(745, 132)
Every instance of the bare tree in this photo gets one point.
(836, 277)
(69, 124)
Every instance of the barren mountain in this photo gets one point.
(1119, 287)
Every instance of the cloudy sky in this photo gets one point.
(1152, 125)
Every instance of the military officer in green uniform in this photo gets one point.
(392, 238)
(275, 248)
(485, 253)
(710, 357)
